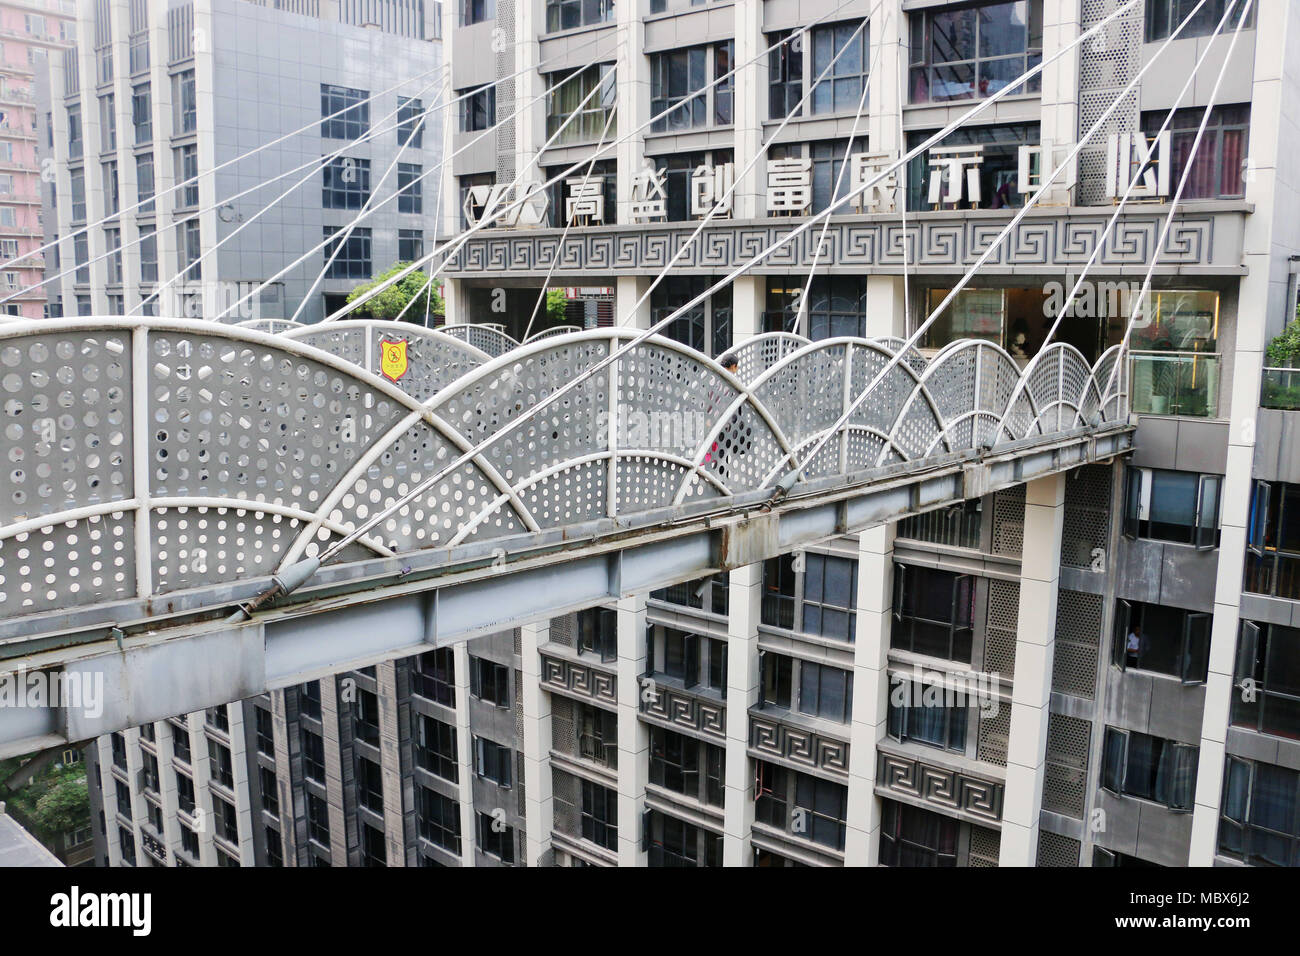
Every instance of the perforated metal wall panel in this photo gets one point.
(1066, 775)
(984, 846)
(1000, 629)
(1009, 521)
(1086, 525)
(1057, 850)
(1078, 637)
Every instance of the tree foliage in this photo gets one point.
(389, 303)
(556, 304)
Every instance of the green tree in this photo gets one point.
(390, 303)
(556, 304)
(64, 806)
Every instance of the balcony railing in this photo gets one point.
(955, 527)
(1273, 572)
(1175, 383)
(1280, 388)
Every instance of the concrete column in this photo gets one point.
(870, 691)
(633, 736)
(627, 314)
(886, 306)
(539, 812)
(633, 101)
(887, 82)
(750, 110)
(1262, 305)
(748, 299)
(464, 754)
(1032, 690)
(743, 687)
(455, 301)
(1060, 99)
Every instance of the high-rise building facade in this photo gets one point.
(153, 94)
(1088, 670)
(30, 35)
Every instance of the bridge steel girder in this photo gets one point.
(166, 656)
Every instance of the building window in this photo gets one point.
(1267, 680)
(1175, 364)
(142, 114)
(126, 839)
(841, 88)
(1150, 768)
(724, 91)
(597, 732)
(318, 820)
(144, 185)
(837, 305)
(107, 123)
(676, 761)
(570, 97)
(373, 851)
(187, 176)
(1260, 821)
(495, 838)
(489, 681)
(76, 145)
(1218, 166)
(676, 79)
(778, 591)
(185, 794)
(112, 200)
(778, 679)
(1177, 506)
(365, 724)
(186, 102)
(709, 594)
(81, 258)
(1166, 640)
(353, 258)
(785, 75)
(226, 822)
(189, 841)
(799, 804)
(934, 612)
(974, 52)
(346, 183)
(190, 249)
(1273, 541)
(77, 184)
(438, 820)
(410, 122)
(675, 843)
(410, 188)
(604, 172)
(1164, 16)
(181, 743)
(220, 765)
(477, 11)
(270, 791)
(265, 731)
(913, 717)
(274, 852)
(830, 595)
(113, 263)
(313, 756)
(352, 107)
(482, 179)
(599, 815)
(410, 245)
(912, 836)
(598, 633)
(825, 691)
(493, 762)
(433, 676)
(998, 170)
(435, 748)
(478, 108)
(706, 326)
(370, 785)
(309, 699)
(571, 14)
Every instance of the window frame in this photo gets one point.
(1118, 762)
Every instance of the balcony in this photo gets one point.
(1175, 383)
(1280, 388)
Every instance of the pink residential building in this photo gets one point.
(29, 31)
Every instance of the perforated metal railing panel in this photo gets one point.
(151, 455)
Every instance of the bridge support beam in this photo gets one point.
(745, 606)
(633, 735)
(870, 691)
(1032, 690)
(539, 812)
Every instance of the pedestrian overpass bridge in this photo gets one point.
(159, 474)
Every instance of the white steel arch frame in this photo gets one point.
(149, 456)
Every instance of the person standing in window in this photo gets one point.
(1134, 645)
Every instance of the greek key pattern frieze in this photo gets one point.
(579, 680)
(675, 708)
(1058, 241)
(768, 737)
(946, 788)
